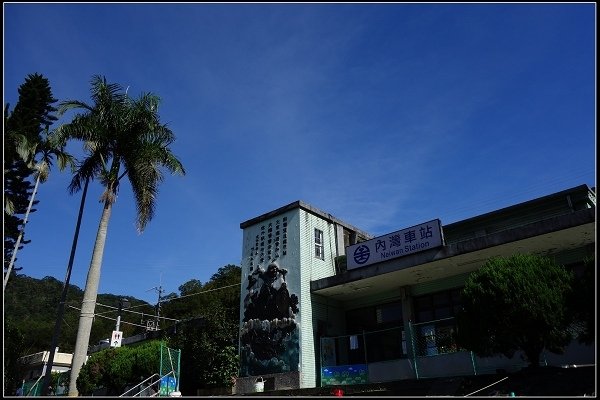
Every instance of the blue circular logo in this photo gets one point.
(361, 254)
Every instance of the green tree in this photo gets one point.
(34, 318)
(23, 129)
(208, 352)
(209, 341)
(115, 369)
(122, 137)
(516, 303)
(14, 345)
(40, 154)
(582, 304)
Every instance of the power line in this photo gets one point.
(195, 294)
(109, 318)
(128, 310)
(160, 301)
(124, 322)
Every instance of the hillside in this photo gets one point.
(207, 335)
(30, 311)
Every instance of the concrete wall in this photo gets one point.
(282, 381)
(392, 370)
(270, 294)
(312, 268)
(575, 354)
(297, 265)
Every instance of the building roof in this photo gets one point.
(307, 207)
(560, 225)
(555, 204)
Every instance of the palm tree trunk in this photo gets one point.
(63, 297)
(14, 254)
(88, 305)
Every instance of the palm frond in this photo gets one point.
(65, 160)
(25, 148)
(144, 183)
(9, 205)
(88, 169)
(121, 132)
(67, 105)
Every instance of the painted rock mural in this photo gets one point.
(270, 333)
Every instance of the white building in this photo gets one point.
(309, 318)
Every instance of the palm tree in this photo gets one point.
(122, 137)
(23, 143)
(46, 148)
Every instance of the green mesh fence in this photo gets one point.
(32, 388)
(170, 360)
(59, 385)
(435, 337)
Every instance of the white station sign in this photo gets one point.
(407, 241)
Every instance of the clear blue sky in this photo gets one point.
(384, 115)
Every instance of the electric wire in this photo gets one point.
(109, 318)
(127, 310)
(202, 292)
(101, 315)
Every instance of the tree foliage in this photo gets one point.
(208, 347)
(582, 304)
(516, 303)
(123, 137)
(14, 345)
(29, 321)
(115, 369)
(207, 335)
(23, 127)
(35, 316)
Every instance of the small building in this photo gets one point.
(34, 368)
(324, 303)
(34, 365)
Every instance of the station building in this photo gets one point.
(325, 303)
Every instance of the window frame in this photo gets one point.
(319, 244)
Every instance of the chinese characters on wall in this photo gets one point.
(269, 244)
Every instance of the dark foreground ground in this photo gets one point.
(544, 382)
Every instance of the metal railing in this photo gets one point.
(415, 349)
(366, 347)
(146, 388)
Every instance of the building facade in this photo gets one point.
(325, 303)
(34, 368)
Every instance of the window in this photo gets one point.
(436, 328)
(436, 306)
(381, 326)
(389, 313)
(319, 252)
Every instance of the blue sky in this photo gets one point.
(383, 115)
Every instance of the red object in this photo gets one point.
(338, 392)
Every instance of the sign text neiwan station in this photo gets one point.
(407, 241)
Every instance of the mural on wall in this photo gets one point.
(345, 375)
(270, 333)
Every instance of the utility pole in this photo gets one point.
(160, 292)
(123, 303)
(63, 297)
